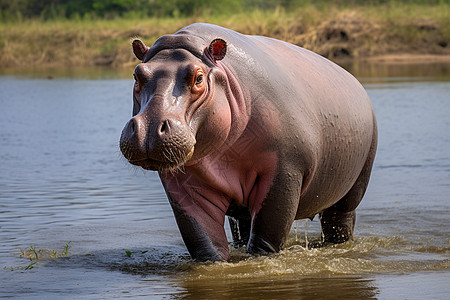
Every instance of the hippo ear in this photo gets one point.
(140, 49)
(218, 49)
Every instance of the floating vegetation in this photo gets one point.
(35, 255)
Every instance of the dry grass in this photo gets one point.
(72, 43)
(336, 33)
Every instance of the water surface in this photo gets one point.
(63, 180)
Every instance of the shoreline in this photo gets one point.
(390, 59)
(380, 66)
(407, 59)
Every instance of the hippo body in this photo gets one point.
(253, 128)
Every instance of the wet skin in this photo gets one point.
(252, 128)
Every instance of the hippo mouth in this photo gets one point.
(169, 162)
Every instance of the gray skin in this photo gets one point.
(252, 128)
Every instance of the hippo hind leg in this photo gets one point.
(240, 224)
(337, 226)
(338, 221)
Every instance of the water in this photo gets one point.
(62, 179)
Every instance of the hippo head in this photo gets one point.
(180, 107)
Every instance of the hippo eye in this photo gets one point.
(136, 84)
(199, 79)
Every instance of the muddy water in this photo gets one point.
(62, 179)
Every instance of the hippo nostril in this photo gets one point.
(133, 126)
(164, 128)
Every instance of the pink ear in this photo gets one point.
(140, 49)
(218, 49)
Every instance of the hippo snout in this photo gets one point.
(162, 145)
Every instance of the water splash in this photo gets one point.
(306, 234)
(367, 255)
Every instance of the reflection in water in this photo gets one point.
(364, 71)
(283, 287)
(376, 72)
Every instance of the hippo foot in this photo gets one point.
(258, 245)
(337, 226)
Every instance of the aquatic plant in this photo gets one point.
(34, 255)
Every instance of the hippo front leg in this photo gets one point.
(203, 235)
(272, 223)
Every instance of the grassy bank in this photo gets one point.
(336, 32)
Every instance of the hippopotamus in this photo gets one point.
(253, 128)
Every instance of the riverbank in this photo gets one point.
(382, 33)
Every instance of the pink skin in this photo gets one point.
(224, 180)
(229, 174)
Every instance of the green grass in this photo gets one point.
(390, 27)
(36, 255)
